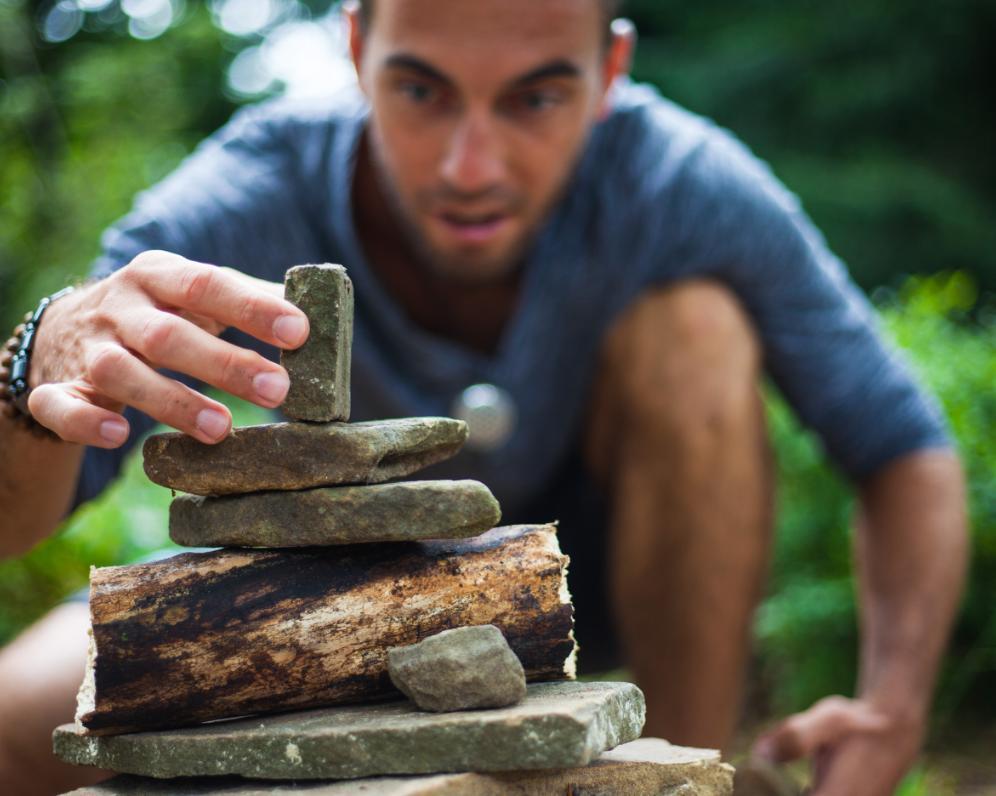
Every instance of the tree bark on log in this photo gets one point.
(205, 636)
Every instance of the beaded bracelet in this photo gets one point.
(15, 363)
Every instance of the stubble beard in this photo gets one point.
(452, 268)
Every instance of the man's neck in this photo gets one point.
(474, 315)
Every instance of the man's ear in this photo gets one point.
(351, 10)
(618, 59)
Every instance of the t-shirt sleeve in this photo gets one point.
(730, 218)
(226, 204)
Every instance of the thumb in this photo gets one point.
(824, 724)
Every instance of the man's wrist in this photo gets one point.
(898, 674)
(15, 364)
(905, 710)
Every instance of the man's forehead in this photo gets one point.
(505, 38)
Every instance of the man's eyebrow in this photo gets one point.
(415, 64)
(561, 67)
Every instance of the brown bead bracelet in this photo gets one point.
(15, 363)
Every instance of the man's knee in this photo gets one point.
(682, 361)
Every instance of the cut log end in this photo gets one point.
(571, 661)
(86, 699)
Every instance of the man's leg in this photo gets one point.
(40, 672)
(678, 439)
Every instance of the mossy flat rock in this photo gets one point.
(283, 456)
(558, 725)
(459, 669)
(400, 512)
(319, 369)
(645, 767)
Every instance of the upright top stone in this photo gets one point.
(319, 370)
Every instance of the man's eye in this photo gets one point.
(535, 101)
(417, 92)
(538, 100)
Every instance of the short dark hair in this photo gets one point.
(609, 10)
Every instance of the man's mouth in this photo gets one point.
(476, 228)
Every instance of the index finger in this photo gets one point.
(227, 296)
(825, 723)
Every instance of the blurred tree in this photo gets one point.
(876, 113)
(84, 125)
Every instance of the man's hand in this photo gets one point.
(98, 349)
(856, 748)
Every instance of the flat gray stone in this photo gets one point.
(558, 725)
(400, 512)
(283, 456)
(645, 767)
(459, 669)
(319, 369)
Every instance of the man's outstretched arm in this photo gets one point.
(99, 349)
(912, 547)
(37, 482)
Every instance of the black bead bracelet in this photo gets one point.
(16, 362)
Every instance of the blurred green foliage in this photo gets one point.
(876, 113)
(807, 632)
(83, 127)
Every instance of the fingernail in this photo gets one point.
(212, 424)
(271, 386)
(290, 329)
(764, 749)
(114, 431)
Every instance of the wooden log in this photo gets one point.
(205, 636)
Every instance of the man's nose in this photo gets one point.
(474, 160)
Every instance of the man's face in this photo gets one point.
(479, 111)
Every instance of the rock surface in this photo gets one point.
(401, 512)
(283, 456)
(757, 777)
(645, 767)
(459, 669)
(319, 369)
(558, 725)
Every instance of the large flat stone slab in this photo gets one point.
(319, 369)
(558, 725)
(283, 456)
(401, 512)
(645, 767)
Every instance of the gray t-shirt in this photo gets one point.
(659, 195)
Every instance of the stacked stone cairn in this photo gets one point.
(336, 587)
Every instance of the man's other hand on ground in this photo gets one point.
(856, 748)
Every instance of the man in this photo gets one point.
(513, 214)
